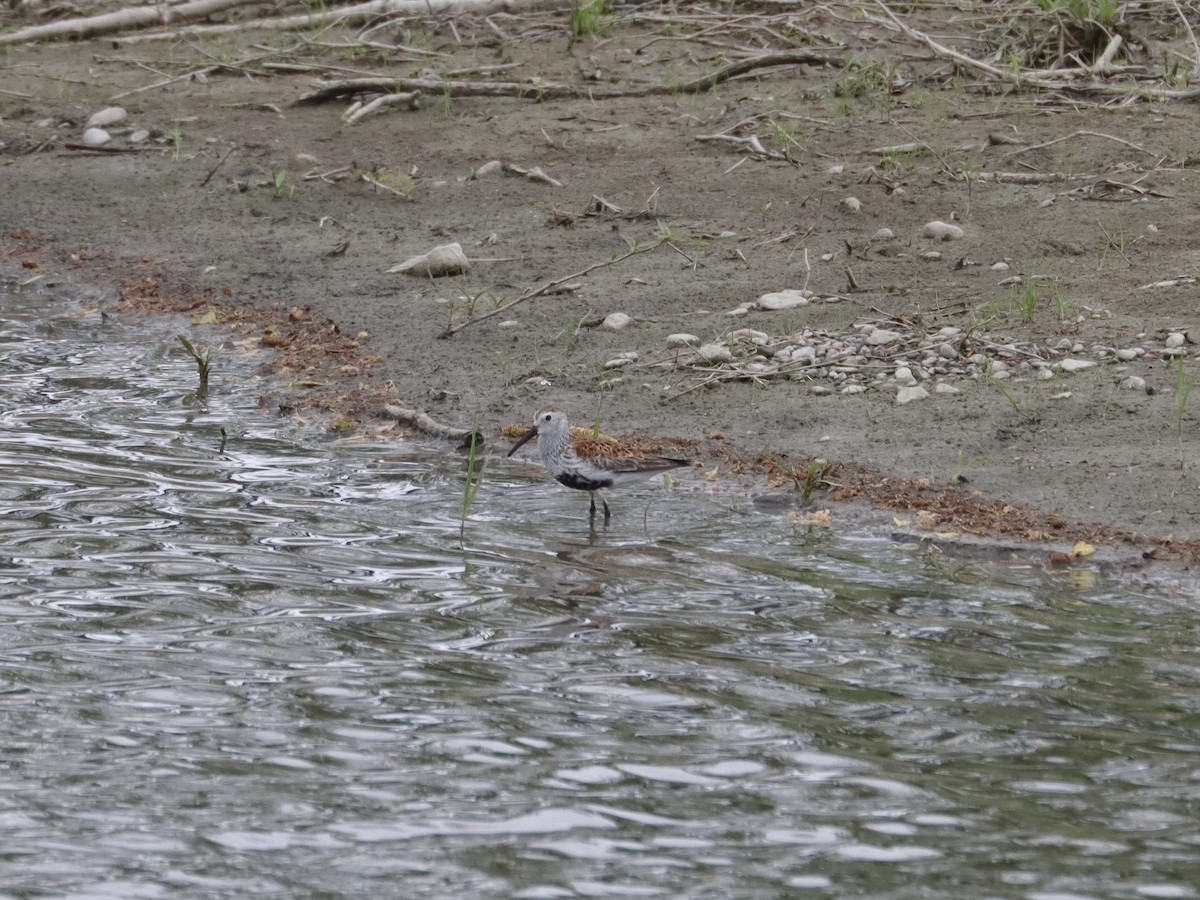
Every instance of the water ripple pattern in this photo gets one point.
(275, 672)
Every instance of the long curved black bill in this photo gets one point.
(519, 444)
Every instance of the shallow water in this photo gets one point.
(276, 672)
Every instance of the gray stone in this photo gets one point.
(909, 394)
(1070, 366)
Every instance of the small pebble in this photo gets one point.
(618, 363)
(942, 231)
(110, 115)
(749, 334)
(616, 321)
(931, 255)
(904, 376)
(881, 336)
(1175, 340)
(1071, 366)
(943, 388)
(1129, 354)
(883, 234)
(1133, 383)
(677, 341)
(1001, 266)
(777, 300)
(851, 204)
(853, 389)
(714, 353)
(139, 137)
(822, 390)
(96, 137)
(909, 394)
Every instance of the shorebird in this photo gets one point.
(586, 469)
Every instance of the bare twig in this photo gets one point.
(548, 287)
(1081, 133)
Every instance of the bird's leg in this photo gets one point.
(607, 514)
(592, 508)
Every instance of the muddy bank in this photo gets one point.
(239, 199)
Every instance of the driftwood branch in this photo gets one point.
(121, 20)
(143, 16)
(553, 90)
(426, 425)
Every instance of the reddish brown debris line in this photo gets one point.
(319, 367)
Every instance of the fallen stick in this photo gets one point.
(107, 23)
(426, 425)
(553, 90)
(548, 287)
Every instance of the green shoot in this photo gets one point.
(589, 17)
(203, 358)
(471, 486)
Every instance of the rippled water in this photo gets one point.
(274, 672)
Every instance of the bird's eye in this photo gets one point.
(546, 417)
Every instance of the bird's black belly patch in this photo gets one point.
(572, 480)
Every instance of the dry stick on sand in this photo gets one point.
(122, 20)
(153, 14)
(1025, 78)
(549, 286)
(552, 90)
(423, 423)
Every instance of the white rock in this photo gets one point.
(1064, 344)
(837, 169)
(883, 234)
(909, 394)
(1129, 354)
(618, 363)
(853, 389)
(749, 334)
(942, 231)
(676, 341)
(904, 376)
(881, 336)
(851, 204)
(755, 367)
(822, 390)
(943, 388)
(738, 311)
(616, 321)
(1001, 266)
(947, 351)
(631, 355)
(1064, 395)
(509, 324)
(1153, 229)
(1174, 340)
(1045, 374)
(931, 256)
(448, 259)
(777, 300)
(714, 353)
(488, 168)
(110, 115)
(950, 331)
(95, 137)
(1076, 365)
(805, 355)
(1133, 383)
(139, 137)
